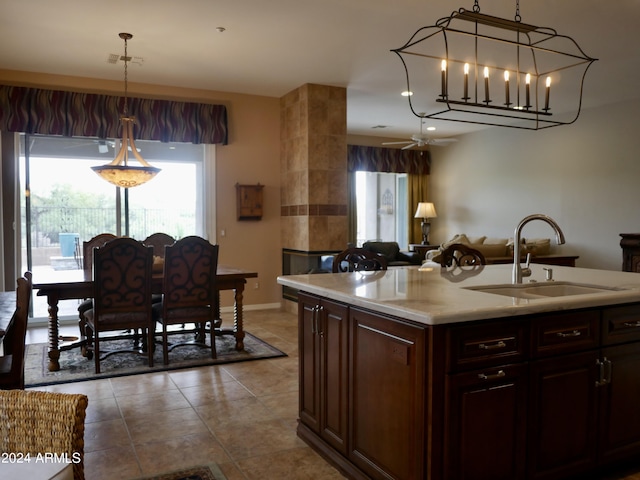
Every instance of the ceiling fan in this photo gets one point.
(422, 139)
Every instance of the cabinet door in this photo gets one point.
(334, 334)
(387, 397)
(563, 415)
(309, 361)
(485, 424)
(620, 397)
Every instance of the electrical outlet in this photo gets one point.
(256, 285)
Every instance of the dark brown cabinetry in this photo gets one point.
(387, 400)
(549, 396)
(485, 423)
(323, 334)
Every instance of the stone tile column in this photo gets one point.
(313, 167)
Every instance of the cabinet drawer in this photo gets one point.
(621, 324)
(485, 344)
(565, 333)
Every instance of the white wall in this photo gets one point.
(586, 176)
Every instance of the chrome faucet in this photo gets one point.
(517, 274)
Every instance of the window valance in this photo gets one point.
(71, 114)
(392, 160)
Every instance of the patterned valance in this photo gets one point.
(73, 114)
(392, 160)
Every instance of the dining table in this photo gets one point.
(7, 308)
(228, 278)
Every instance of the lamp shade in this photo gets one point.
(425, 210)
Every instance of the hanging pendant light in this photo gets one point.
(476, 68)
(119, 172)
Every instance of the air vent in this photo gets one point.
(114, 58)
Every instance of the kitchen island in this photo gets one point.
(414, 373)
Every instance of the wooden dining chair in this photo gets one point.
(13, 343)
(461, 255)
(158, 241)
(358, 260)
(121, 295)
(189, 291)
(87, 270)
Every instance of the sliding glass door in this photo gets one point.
(66, 203)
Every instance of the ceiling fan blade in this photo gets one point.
(409, 146)
(395, 143)
(443, 141)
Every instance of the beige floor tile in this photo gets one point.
(156, 402)
(259, 438)
(296, 464)
(164, 455)
(221, 414)
(105, 435)
(201, 395)
(93, 389)
(101, 409)
(282, 405)
(147, 383)
(120, 463)
(150, 426)
(195, 377)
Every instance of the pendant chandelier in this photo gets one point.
(476, 68)
(119, 172)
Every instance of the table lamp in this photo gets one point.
(425, 211)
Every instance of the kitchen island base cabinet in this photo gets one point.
(548, 396)
(485, 415)
(323, 334)
(386, 403)
(563, 416)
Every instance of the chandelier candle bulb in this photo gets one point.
(466, 82)
(443, 67)
(486, 85)
(506, 88)
(527, 84)
(546, 94)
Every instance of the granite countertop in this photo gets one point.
(434, 296)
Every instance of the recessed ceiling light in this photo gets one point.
(406, 93)
(431, 129)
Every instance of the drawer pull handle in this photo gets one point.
(574, 333)
(499, 344)
(632, 324)
(493, 376)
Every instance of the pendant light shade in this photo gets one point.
(120, 172)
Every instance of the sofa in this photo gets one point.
(392, 253)
(496, 250)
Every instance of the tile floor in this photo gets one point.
(241, 416)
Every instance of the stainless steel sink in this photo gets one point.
(543, 290)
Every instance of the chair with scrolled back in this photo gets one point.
(13, 343)
(158, 241)
(461, 255)
(121, 295)
(358, 260)
(190, 292)
(87, 269)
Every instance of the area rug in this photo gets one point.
(76, 368)
(209, 472)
